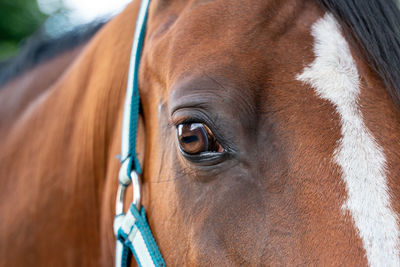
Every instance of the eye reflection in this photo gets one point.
(195, 138)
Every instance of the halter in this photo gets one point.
(131, 229)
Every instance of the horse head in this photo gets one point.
(267, 135)
(264, 143)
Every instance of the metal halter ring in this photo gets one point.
(124, 182)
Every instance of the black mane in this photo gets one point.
(40, 48)
(375, 25)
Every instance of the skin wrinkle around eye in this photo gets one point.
(207, 91)
(219, 103)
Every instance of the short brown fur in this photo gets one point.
(276, 201)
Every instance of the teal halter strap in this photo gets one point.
(131, 229)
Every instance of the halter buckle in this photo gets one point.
(124, 182)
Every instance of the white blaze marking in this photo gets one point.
(334, 77)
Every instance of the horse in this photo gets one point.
(268, 134)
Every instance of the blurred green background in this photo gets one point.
(18, 20)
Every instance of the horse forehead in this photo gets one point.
(231, 24)
(210, 35)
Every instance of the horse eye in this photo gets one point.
(195, 138)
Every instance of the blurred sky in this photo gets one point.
(90, 9)
(83, 11)
(65, 14)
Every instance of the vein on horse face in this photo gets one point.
(334, 77)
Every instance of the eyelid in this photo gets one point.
(206, 157)
(186, 115)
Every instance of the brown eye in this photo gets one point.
(195, 138)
